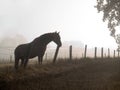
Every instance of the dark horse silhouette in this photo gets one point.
(35, 48)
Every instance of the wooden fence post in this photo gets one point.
(102, 52)
(95, 52)
(10, 58)
(85, 52)
(56, 53)
(105, 55)
(82, 55)
(70, 52)
(108, 53)
(118, 53)
(114, 54)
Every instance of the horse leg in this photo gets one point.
(40, 59)
(22, 62)
(16, 63)
(25, 63)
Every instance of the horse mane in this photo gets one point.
(50, 33)
(43, 36)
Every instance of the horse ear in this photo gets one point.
(55, 31)
(59, 32)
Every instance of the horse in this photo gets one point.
(35, 48)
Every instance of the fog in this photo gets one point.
(8, 45)
(12, 41)
(77, 20)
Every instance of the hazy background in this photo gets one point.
(77, 20)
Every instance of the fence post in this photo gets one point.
(56, 53)
(82, 55)
(10, 58)
(70, 52)
(85, 52)
(95, 52)
(118, 53)
(114, 54)
(102, 52)
(105, 55)
(108, 53)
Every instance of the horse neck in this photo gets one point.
(47, 39)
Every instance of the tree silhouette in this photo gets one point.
(111, 14)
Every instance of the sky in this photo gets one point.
(77, 20)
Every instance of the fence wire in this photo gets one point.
(7, 53)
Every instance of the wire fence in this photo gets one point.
(68, 52)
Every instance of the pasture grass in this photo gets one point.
(78, 74)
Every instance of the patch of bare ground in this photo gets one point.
(84, 74)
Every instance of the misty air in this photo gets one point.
(59, 45)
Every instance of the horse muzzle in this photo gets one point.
(60, 44)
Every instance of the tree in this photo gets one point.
(111, 14)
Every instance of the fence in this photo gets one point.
(69, 52)
(106, 54)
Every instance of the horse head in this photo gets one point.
(57, 39)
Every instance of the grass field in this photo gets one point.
(83, 74)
